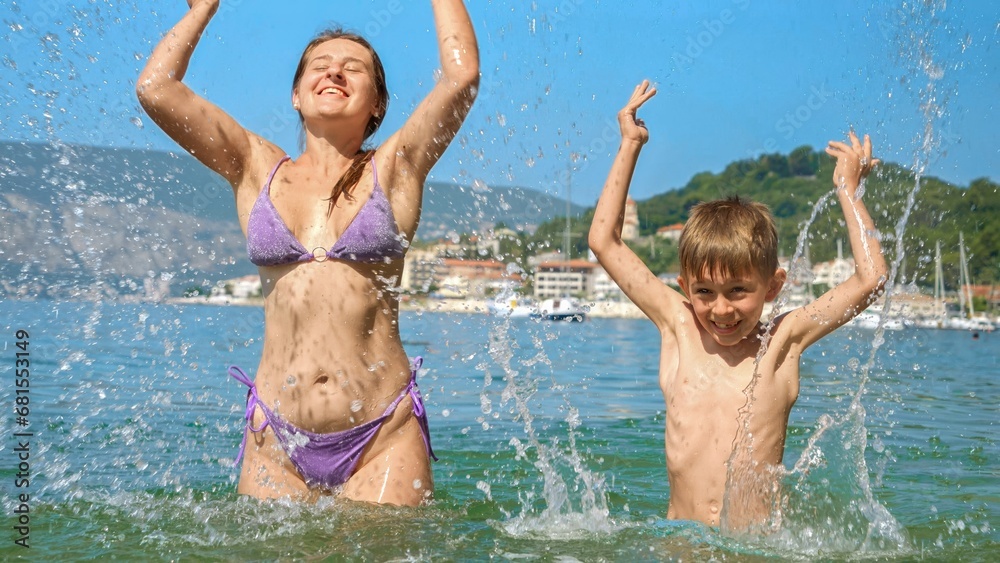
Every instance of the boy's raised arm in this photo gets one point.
(847, 300)
(625, 268)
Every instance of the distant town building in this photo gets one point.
(427, 271)
(453, 287)
(504, 232)
(991, 293)
(537, 259)
(420, 268)
(478, 278)
(558, 279)
(835, 271)
(448, 246)
(915, 305)
(605, 288)
(488, 242)
(237, 288)
(630, 227)
(485, 245)
(671, 232)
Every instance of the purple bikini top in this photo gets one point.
(371, 237)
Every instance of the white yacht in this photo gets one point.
(512, 306)
(870, 319)
(562, 309)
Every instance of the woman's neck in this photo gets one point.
(330, 153)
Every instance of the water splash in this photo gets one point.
(573, 501)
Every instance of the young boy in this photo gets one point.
(727, 409)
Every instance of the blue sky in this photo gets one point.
(735, 78)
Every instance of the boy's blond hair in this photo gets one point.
(729, 237)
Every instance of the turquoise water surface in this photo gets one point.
(550, 438)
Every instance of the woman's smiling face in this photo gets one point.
(337, 82)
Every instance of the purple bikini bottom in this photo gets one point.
(327, 460)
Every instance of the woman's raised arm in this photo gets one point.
(435, 122)
(200, 127)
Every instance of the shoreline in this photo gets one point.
(598, 309)
(595, 309)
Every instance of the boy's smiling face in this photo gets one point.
(729, 306)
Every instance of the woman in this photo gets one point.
(334, 407)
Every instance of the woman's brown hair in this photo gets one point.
(345, 185)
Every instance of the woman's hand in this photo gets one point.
(212, 5)
(854, 162)
(633, 128)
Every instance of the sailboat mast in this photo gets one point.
(938, 282)
(569, 188)
(965, 289)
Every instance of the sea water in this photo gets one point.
(550, 437)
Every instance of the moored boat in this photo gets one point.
(512, 306)
(871, 320)
(562, 309)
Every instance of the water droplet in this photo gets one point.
(485, 488)
(356, 405)
(137, 122)
(417, 483)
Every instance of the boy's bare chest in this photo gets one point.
(694, 377)
(708, 396)
(710, 385)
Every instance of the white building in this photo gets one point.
(605, 288)
(671, 232)
(420, 268)
(835, 271)
(237, 288)
(564, 278)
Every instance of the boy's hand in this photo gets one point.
(633, 129)
(854, 162)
